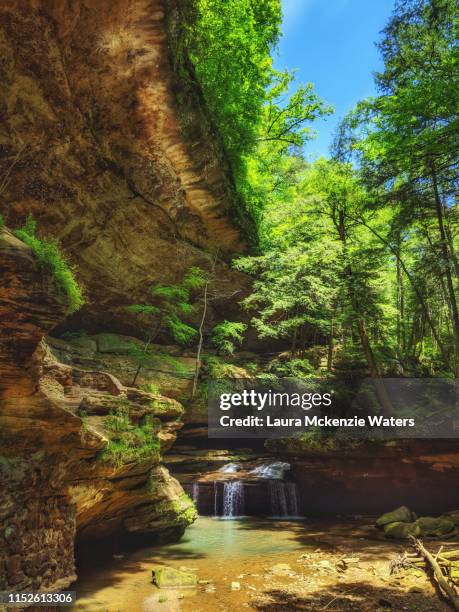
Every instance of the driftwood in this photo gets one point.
(437, 565)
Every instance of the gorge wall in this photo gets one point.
(92, 145)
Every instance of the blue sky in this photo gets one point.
(331, 43)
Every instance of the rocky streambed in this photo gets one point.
(259, 564)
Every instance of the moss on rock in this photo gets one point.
(168, 577)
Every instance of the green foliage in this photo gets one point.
(227, 335)
(230, 44)
(362, 257)
(182, 510)
(226, 46)
(152, 388)
(142, 309)
(2, 222)
(292, 368)
(49, 256)
(218, 368)
(171, 304)
(195, 278)
(129, 442)
(181, 332)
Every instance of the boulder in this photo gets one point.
(168, 577)
(163, 407)
(401, 531)
(435, 527)
(452, 516)
(400, 515)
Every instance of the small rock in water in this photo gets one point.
(281, 569)
(118, 557)
(235, 586)
(165, 577)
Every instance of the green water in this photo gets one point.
(216, 550)
(211, 537)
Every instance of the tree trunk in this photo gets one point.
(293, 344)
(330, 349)
(200, 343)
(401, 341)
(380, 388)
(198, 364)
(139, 368)
(419, 295)
(447, 267)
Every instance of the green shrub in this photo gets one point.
(218, 368)
(151, 388)
(226, 335)
(292, 368)
(2, 222)
(49, 256)
(129, 442)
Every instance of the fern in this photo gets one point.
(145, 309)
(48, 255)
(181, 332)
(194, 279)
(226, 335)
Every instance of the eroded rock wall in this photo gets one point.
(91, 144)
(58, 478)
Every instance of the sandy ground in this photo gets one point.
(301, 566)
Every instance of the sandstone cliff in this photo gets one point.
(60, 471)
(92, 145)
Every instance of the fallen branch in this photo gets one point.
(444, 585)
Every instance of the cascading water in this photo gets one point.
(278, 498)
(230, 468)
(284, 501)
(195, 493)
(215, 499)
(271, 471)
(233, 499)
(292, 497)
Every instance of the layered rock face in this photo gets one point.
(80, 452)
(91, 144)
(371, 477)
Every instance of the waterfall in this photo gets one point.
(196, 494)
(271, 471)
(283, 498)
(233, 499)
(215, 499)
(292, 498)
(230, 468)
(278, 498)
